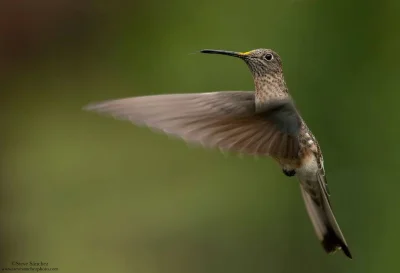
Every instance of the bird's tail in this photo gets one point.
(324, 222)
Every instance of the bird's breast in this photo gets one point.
(308, 166)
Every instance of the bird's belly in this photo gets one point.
(308, 168)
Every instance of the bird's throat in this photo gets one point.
(269, 87)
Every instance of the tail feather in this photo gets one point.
(324, 222)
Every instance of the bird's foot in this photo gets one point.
(289, 172)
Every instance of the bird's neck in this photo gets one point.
(269, 87)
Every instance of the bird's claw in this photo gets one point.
(289, 173)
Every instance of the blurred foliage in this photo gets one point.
(90, 194)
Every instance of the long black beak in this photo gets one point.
(223, 52)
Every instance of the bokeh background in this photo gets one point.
(87, 193)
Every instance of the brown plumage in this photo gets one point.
(264, 123)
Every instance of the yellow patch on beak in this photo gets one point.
(245, 53)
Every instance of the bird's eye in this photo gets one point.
(268, 56)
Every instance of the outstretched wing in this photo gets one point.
(227, 120)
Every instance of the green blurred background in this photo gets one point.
(90, 194)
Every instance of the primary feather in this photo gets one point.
(227, 120)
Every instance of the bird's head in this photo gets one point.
(262, 62)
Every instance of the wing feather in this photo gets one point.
(228, 120)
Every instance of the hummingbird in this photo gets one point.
(262, 123)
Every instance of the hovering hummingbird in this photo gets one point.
(263, 123)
